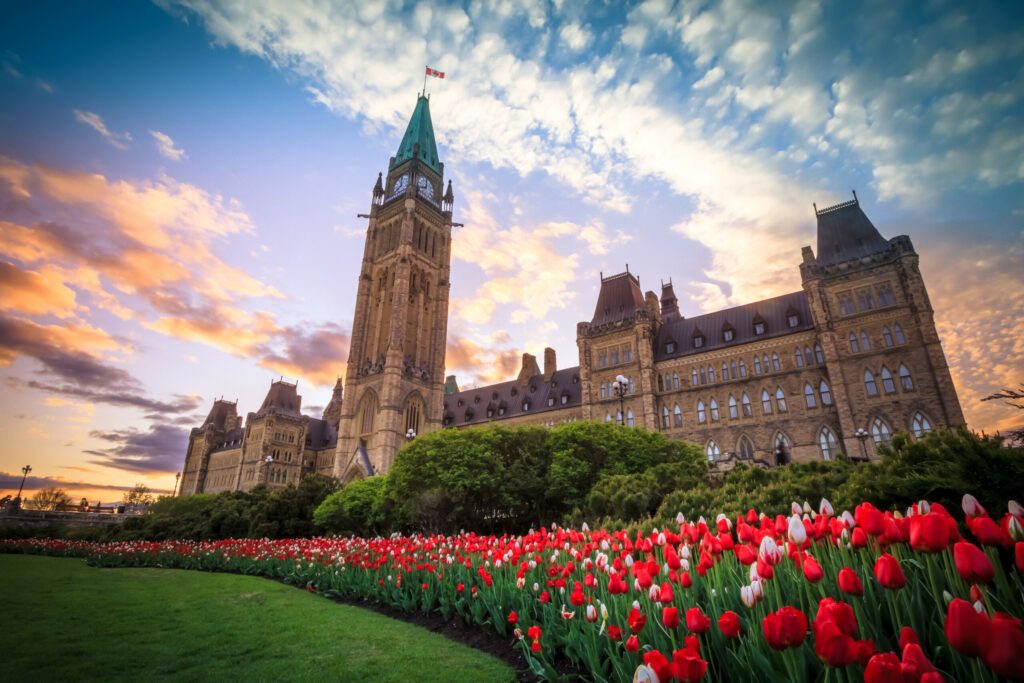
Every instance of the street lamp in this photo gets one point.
(621, 387)
(266, 468)
(410, 434)
(24, 475)
(177, 476)
(862, 436)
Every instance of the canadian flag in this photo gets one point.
(435, 73)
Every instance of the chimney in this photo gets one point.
(653, 308)
(450, 385)
(669, 303)
(549, 363)
(529, 368)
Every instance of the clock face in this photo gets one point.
(401, 182)
(426, 187)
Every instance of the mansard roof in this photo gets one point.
(220, 414)
(846, 233)
(283, 398)
(232, 439)
(418, 140)
(321, 434)
(773, 312)
(469, 407)
(620, 298)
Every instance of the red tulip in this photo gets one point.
(1018, 552)
(915, 664)
(616, 585)
(544, 597)
(666, 594)
(812, 570)
(659, 664)
(729, 624)
(697, 621)
(670, 617)
(636, 620)
(929, 533)
(632, 644)
(988, 532)
(1003, 650)
(745, 554)
(908, 636)
(849, 582)
(685, 580)
(785, 628)
(687, 665)
(966, 629)
(535, 647)
(883, 668)
(614, 632)
(972, 564)
(859, 538)
(513, 618)
(835, 628)
(869, 518)
(889, 573)
(533, 632)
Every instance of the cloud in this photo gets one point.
(157, 451)
(481, 364)
(165, 145)
(119, 140)
(67, 351)
(317, 353)
(33, 293)
(10, 68)
(574, 36)
(10, 482)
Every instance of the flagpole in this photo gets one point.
(425, 82)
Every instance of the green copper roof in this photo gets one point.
(419, 131)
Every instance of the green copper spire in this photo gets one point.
(420, 131)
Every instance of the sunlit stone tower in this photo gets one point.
(395, 377)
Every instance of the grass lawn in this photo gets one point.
(64, 621)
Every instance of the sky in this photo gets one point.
(180, 184)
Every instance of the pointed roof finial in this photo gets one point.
(855, 196)
(418, 141)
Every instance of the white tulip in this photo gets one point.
(1015, 508)
(679, 518)
(971, 506)
(826, 508)
(645, 674)
(797, 531)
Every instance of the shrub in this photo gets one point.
(356, 508)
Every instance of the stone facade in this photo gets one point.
(839, 366)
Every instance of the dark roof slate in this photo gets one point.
(320, 434)
(511, 395)
(846, 233)
(283, 397)
(620, 297)
(774, 312)
(232, 439)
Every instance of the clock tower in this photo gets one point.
(394, 381)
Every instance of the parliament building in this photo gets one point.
(836, 367)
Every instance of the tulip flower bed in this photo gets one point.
(812, 596)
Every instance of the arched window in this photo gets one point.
(809, 396)
(808, 356)
(694, 376)
(712, 452)
(732, 369)
(798, 356)
(629, 417)
(887, 336)
(766, 402)
(661, 383)
(920, 425)
(701, 413)
(887, 384)
(905, 379)
(898, 330)
(725, 371)
(604, 390)
(880, 431)
(664, 417)
(368, 412)
(703, 376)
(734, 411)
(780, 400)
(776, 365)
(869, 383)
(854, 344)
(675, 380)
(782, 448)
(745, 402)
(618, 417)
(632, 386)
(865, 342)
(746, 448)
(413, 413)
(765, 365)
(827, 443)
(607, 417)
(826, 393)
(677, 416)
(743, 368)
(714, 410)
(711, 375)
(818, 355)
(757, 365)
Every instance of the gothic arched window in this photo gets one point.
(887, 336)
(664, 417)
(818, 355)
(712, 451)
(675, 380)
(746, 448)
(743, 368)
(733, 409)
(677, 416)
(887, 384)
(757, 365)
(869, 383)
(826, 393)
(880, 431)
(920, 425)
(798, 356)
(828, 443)
(854, 344)
(661, 383)
(629, 417)
(865, 341)
(745, 402)
(906, 381)
(780, 400)
(898, 331)
(701, 413)
(766, 402)
(714, 410)
(809, 399)
(776, 365)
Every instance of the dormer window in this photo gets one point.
(793, 320)
(490, 412)
(698, 341)
(526, 406)
(501, 411)
(728, 334)
(565, 399)
(551, 401)
(670, 347)
(759, 328)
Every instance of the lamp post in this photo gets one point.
(621, 387)
(24, 475)
(266, 468)
(862, 436)
(410, 434)
(177, 476)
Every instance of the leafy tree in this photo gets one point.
(48, 499)
(139, 495)
(358, 508)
